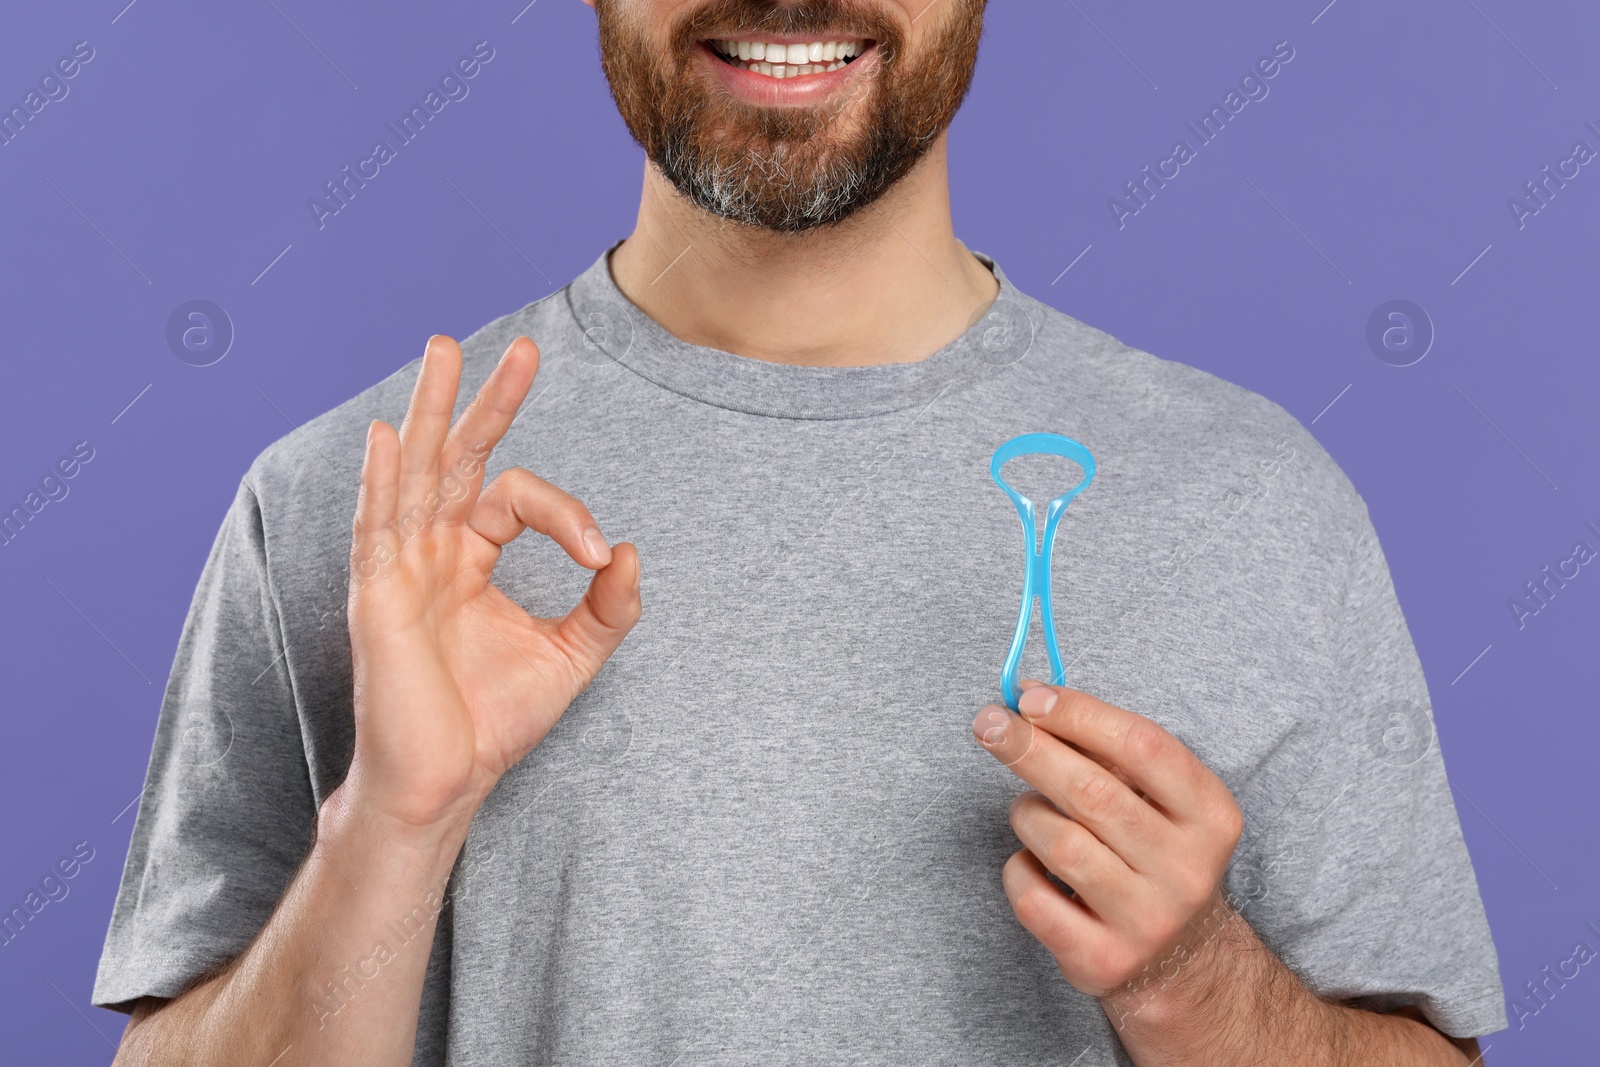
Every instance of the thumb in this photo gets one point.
(596, 626)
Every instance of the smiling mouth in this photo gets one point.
(780, 59)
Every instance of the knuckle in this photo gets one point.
(1067, 851)
(1097, 796)
(1227, 818)
(1145, 740)
(572, 514)
(1075, 705)
(1033, 907)
(498, 489)
(1232, 822)
(454, 484)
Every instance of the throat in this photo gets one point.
(876, 308)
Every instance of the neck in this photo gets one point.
(890, 284)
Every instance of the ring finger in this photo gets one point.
(1097, 875)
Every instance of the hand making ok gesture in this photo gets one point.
(454, 683)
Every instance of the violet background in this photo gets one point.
(180, 164)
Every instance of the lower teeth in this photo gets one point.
(785, 71)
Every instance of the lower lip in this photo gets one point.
(806, 89)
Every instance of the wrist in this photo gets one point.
(1195, 983)
(354, 830)
(416, 814)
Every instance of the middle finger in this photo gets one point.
(481, 425)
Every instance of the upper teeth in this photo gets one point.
(786, 60)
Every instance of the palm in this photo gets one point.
(454, 681)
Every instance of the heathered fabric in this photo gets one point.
(765, 834)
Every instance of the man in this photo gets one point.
(728, 808)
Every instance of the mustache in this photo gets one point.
(842, 18)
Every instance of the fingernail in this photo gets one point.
(596, 544)
(1037, 701)
(991, 726)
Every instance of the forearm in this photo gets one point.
(335, 977)
(1228, 1001)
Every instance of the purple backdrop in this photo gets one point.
(176, 164)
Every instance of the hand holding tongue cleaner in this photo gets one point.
(1036, 580)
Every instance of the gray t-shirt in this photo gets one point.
(765, 834)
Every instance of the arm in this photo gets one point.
(336, 974)
(1143, 831)
(453, 685)
(1236, 1003)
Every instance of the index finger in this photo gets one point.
(482, 425)
(1158, 764)
(1080, 787)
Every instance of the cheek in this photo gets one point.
(924, 21)
(657, 14)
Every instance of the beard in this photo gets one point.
(788, 169)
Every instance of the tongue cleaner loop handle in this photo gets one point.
(1036, 579)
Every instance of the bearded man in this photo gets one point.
(770, 829)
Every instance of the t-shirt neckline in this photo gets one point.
(613, 325)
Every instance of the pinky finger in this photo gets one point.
(1081, 945)
(380, 489)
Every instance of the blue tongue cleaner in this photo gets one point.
(1036, 578)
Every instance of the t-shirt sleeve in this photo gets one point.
(227, 811)
(1365, 888)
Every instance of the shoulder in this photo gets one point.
(1192, 428)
